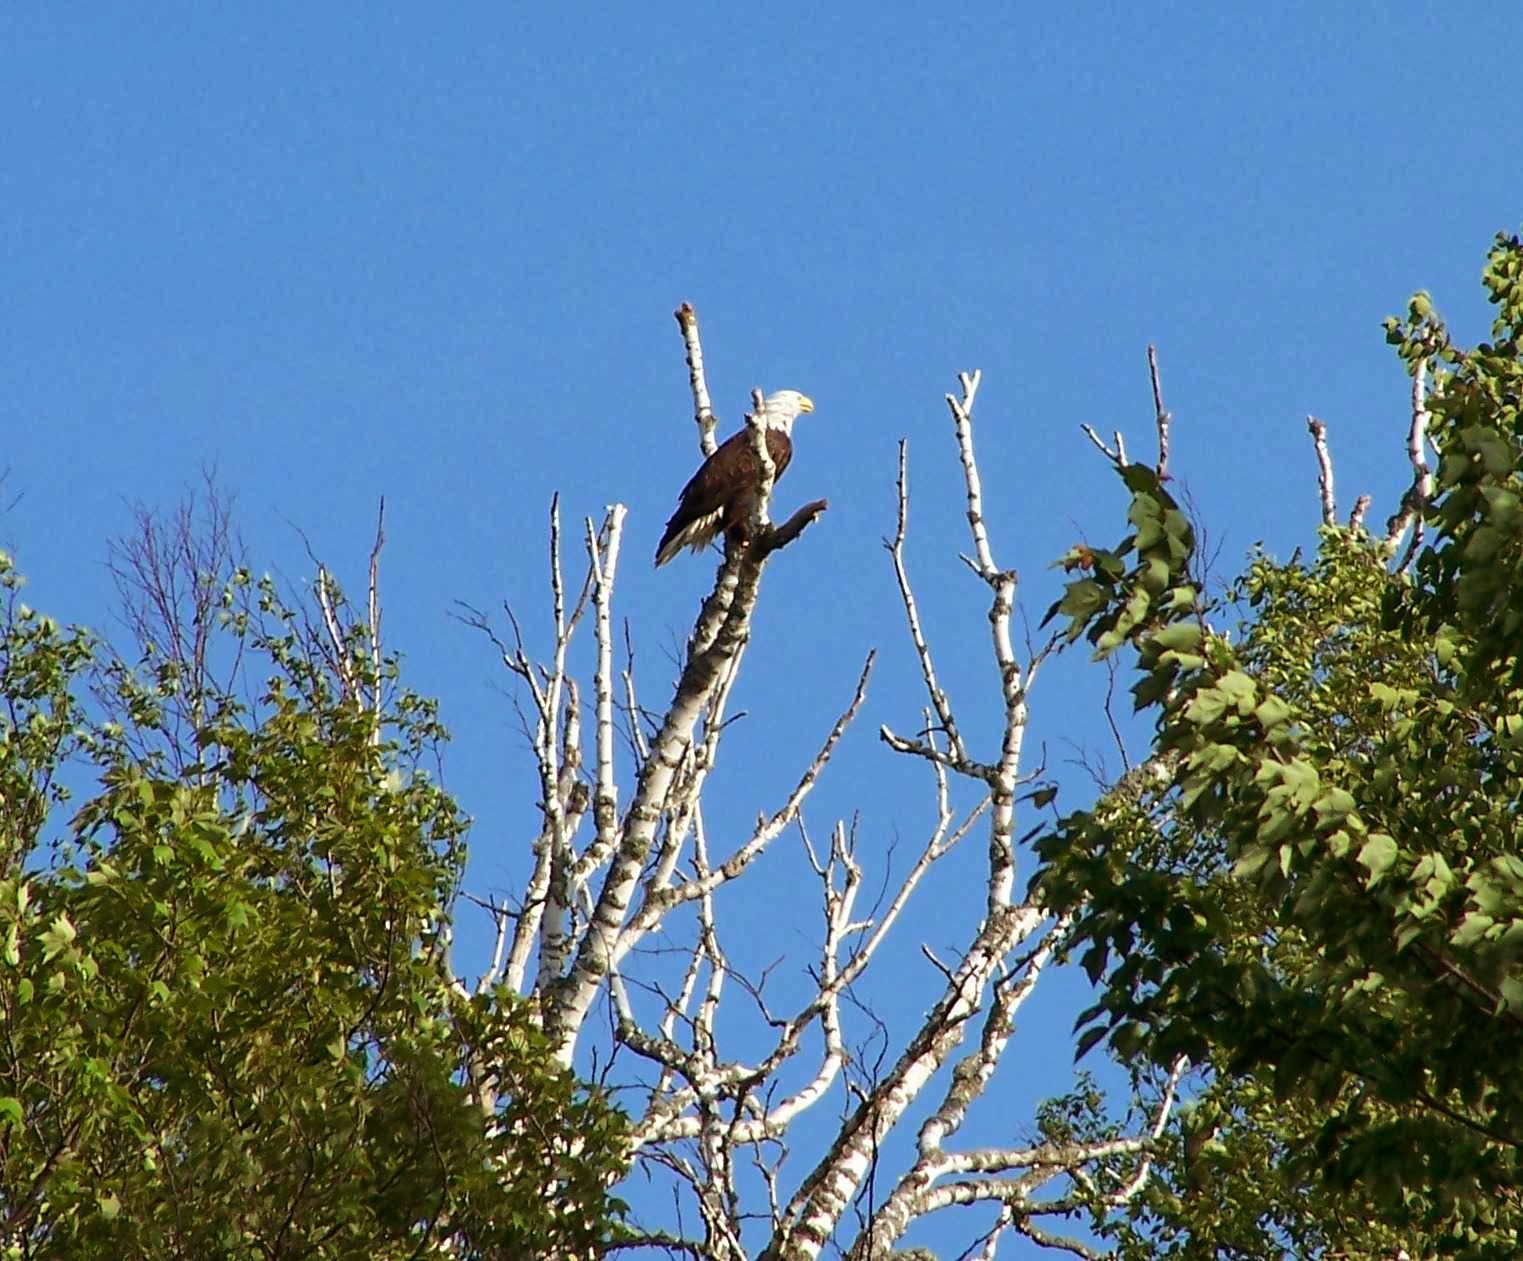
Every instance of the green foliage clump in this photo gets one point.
(228, 1027)
(1313, 887)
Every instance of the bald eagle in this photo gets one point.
(719, 496)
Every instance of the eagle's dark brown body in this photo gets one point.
(720, 495)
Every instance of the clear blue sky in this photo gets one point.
(344, 251)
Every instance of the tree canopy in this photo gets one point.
(1312, 882)
(230, 1024)
(227, 1026)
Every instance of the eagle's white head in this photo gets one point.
(781, 409)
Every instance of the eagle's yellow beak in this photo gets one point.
(806, 404)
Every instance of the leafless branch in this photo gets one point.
(1125, 1194)
(1161, 414)
(1116, 455)
(777, 537)
(703, 408)
(1318, 431)
(373, 605)
(756, 429)
(1413, 503)
(626, 905)
(171, 571)
(1002, 582)
(939, 701)
(1356, 517)
(603, 564)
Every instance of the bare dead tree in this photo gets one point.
(170, 571)
(623, 912)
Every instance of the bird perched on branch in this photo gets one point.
(719, 497)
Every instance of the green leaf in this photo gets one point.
(1142, 481)
(1473, 927)
(1207, 706)
(1512, 993)
(1377, 856)
(1272, 712)
(1178, 637)
(1087, 1040)
(58, 937)
(1251, 861)
(1081, 598)
(1240, 689)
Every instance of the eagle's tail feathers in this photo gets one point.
(696, 534)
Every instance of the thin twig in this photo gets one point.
(1161, 415)
(1114, 455)
(939, 700)
(374, 609)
